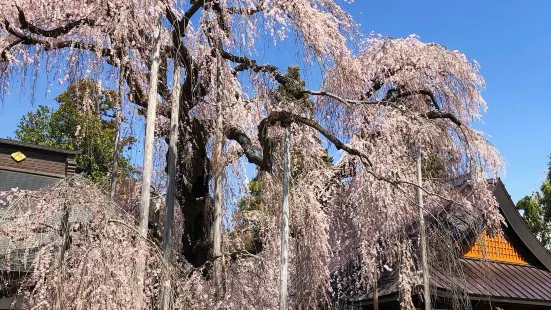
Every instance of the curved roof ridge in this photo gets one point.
(516, 222)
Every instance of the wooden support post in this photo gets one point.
(218, 180)
(218, 185)
(285, 221)
(64, 230)
(170, 192)
(376, 290)
(218, 168)
(423, 235)
(118, 117)
(148, 163)
(217, 208)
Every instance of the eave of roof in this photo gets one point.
(38, 147)
(485, 279)
(482, 280)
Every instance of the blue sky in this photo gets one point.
(509, 39)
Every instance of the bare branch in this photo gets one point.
(343, 100)
(445, 115)
(52, 45)
(182, 24)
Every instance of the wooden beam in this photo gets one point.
(118, 116)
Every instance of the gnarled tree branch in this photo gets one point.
(250, 151)
(52, 33)
(287, 117)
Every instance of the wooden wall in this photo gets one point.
(36, 161)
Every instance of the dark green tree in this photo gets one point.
(537, 211)
(84, 120)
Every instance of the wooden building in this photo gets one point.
(28, 167)
(31, 167)
(511, 271)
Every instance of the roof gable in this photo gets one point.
(495, 248)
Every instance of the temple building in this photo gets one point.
(509, 271)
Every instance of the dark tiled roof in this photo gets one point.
(38, 147)
(499, 280)
(485, 279)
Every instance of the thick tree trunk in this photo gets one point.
(193, 190)
(422, 236)
(285, 221)
(148, 163)
(170, 193)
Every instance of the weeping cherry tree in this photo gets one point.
(378, 97)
